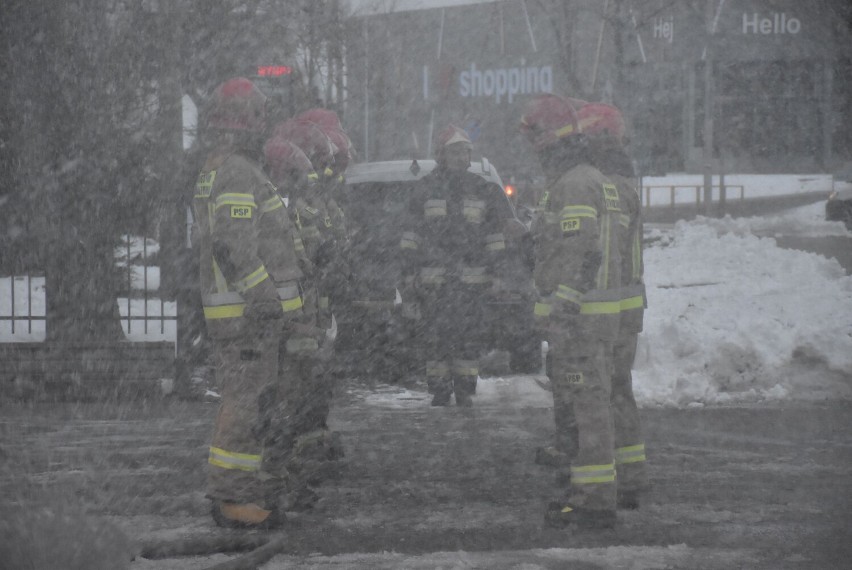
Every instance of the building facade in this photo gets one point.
(776, 74)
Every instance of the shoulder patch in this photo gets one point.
(241, 212)
(570, 226)
(204, 184)
(611, 197)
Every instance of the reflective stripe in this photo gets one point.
(564, 131)
(323, 302)
(601, 308)
(410, 240)
(298, 244)
(624, 220)
(433, 275)
(632, 303)
(435, 208)
(234, 200)
(473, 210)
(313, 176)
(224, 311)
(229, 298)
(542, 309)
(230, 460)
(606, 243)
(292, 304)
(637, 257)
(568, 294)
(253, 279)
(437, 368)
(271, 205)
(586, 474)
(288, 290)
(630, 454)
(301, 345)
(474, 275)
(311, 212)
(466, 367)
(495, 242)
(579, 212)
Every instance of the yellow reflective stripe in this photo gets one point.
(473, 210)
(564, 131)
(434, 208)
(298, 244)
(600, 308)
(637, 257)
(230, 460)
(568, 294)
(495, 242)
(432, 275)
(630, 454)
(585, 474)
(271, 205)
(323, 303)
(632, 303)
(474, 275)
(328, 171)
(624, 220)
(437, 368)
(224, 311)
(234, 200)
(466, 367)
(292, 304)
(542, 309)
(253, 279)
(313, 176)
(579, 212)
(606, 234)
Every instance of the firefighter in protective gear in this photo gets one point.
(577, 279)
(316, 243)
(249, 278)
(604, 126)
(452, 255)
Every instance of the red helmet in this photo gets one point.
(599, 119)
(310, 138)
(325, 118)
(238, 105)
(452, 134)
(285, 160)
(547, 119)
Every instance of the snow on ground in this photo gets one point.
(732, 318)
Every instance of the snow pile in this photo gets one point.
(733, 317)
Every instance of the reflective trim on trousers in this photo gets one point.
(231, 460)
(589, 474)
(437, 368)
(466, 367)
(301, 345)
(630, 454)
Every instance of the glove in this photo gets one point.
(264, 310)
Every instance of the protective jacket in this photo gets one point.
(577, 258)
(243, 232)
(632, 269)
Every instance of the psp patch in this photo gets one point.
(241, 212)
(570, 225)
(574, 378)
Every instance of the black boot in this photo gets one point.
(443, 391)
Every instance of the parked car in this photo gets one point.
(376, 194)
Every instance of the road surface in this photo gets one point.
(758, 486)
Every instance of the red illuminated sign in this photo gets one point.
(273, 70)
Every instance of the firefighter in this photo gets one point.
(249, 281)
(452, 252)
(604, 126)
(577, 279)
(317, 244)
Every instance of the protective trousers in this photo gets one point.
(246, 368)
(581, 394)
(629, 444)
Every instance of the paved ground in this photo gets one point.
(756, 487)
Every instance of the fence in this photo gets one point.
(145, 316)
(673, 193)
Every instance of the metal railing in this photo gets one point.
(144, 313)
(673, 188)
